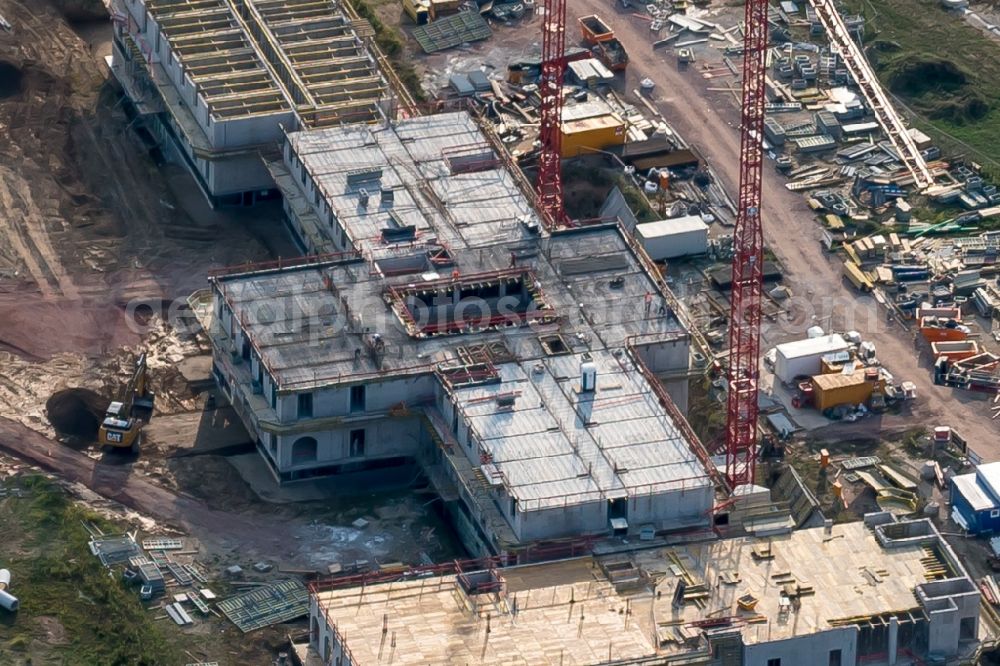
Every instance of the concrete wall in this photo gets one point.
(250, 131)
(332, 226)
(670, 507)
(679, 391)
(384, 438)
(807, 650)
(242, 173)
(335, 401)
(573, 520)
(947, 603)
(667, 357)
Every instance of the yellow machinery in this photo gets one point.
(123, 422)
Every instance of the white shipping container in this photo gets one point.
(677, 237)
(803, 357)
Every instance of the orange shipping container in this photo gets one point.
(955, 350)
(935, 330)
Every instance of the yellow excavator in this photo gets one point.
(124, 420)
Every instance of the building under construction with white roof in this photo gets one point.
(216, 82)
(520, 368)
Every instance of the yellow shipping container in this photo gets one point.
(857, 276)
(833, 390)
(420, 11)
(583, 136)
(834, 222)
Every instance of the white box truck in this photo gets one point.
(803, 357)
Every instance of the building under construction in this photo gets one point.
(215, 82)
(879, 592)
(520, 368)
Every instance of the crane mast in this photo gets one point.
(748, 258)
(549, 185)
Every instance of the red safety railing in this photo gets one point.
(694, 442)
(423, 571)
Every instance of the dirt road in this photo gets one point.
(710, 121)
(226, 523)
(117, 482)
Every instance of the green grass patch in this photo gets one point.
(636, 200)
(392, 42)
(55, 575)
(706, 414)
(944, 69)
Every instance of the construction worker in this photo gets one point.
(649, 302)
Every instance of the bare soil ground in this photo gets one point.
(710, 120)
(89, 220)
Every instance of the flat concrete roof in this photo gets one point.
(569, 612)
(565, 614)
(556, 444)
(446, 181)
(307, 322)
(849, 573)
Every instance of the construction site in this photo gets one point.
(370, 332)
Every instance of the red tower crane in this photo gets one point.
(549, 185)
(748, 259)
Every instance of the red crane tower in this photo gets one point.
(748, 259)
(549, 185)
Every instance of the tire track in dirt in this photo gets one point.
(253, 534)
(34, 226)
(16, 229)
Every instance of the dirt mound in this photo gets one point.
(916, 77)
(11, 80)
(79, 11)
(939, 88)
(76, 412)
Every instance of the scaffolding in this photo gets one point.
(266, 605)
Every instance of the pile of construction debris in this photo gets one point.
(163, 568)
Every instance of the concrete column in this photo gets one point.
(893, 639)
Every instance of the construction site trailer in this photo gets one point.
(803, 357)
(840, 389)
(973, 497)
(677, 237)
(587, 136)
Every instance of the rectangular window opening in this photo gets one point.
(357, 443)
(305, 405)
(357, 399)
